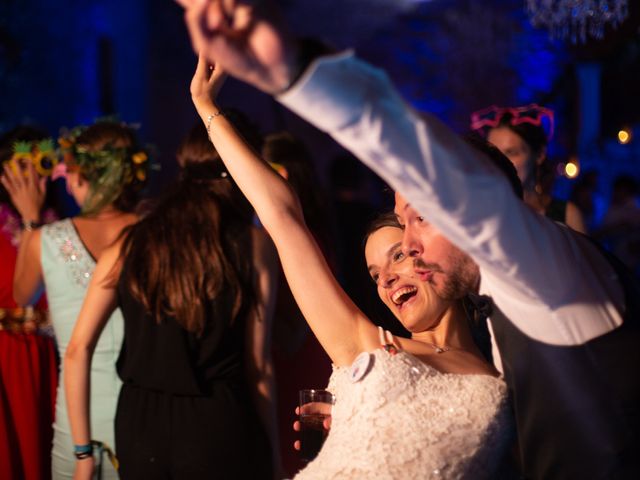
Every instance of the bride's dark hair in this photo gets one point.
(193, 251)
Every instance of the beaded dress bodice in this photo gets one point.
(406, 420)
(67, 268)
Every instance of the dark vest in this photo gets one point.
(577, 408)
(557, 210)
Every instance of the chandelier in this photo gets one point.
(577, 19)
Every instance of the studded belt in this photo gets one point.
(23, 319)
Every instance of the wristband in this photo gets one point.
(83, 451)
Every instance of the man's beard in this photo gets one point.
(460, 280)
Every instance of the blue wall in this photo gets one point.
(66, 62)
(73, 61)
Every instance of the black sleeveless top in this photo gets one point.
(203, 386)
(167, 358)
(577, 407)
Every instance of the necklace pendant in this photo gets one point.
(439, 350)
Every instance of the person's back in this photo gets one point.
(105, 180)
(185, 405)
(68, 261)
(183, 330)
(193, 313)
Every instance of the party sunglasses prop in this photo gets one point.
(533, 114)
(41, 154)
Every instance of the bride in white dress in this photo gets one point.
(404, 418)
(425, 407)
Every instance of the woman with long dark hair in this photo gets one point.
(194, 281)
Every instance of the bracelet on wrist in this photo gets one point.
(209, 118)
(83, 451)
(30, 225)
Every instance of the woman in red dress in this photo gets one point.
(28, 367)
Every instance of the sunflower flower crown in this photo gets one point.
(109, 170)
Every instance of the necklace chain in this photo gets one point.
(438, 348)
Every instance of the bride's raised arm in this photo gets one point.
(342, 329)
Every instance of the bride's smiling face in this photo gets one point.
(412, 301)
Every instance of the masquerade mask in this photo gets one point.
(533, 114)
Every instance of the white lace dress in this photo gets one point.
(406, 420)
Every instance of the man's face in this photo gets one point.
(450, 271)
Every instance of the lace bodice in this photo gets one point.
(406, 420)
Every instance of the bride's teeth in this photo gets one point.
(403, 291)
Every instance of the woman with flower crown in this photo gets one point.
(28, 367)
(105, 171)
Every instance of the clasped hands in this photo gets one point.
(246, 39)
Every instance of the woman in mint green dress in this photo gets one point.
(105, 170)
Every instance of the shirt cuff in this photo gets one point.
(314, 98)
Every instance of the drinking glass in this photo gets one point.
(315, 406)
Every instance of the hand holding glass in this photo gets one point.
(315, 407)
